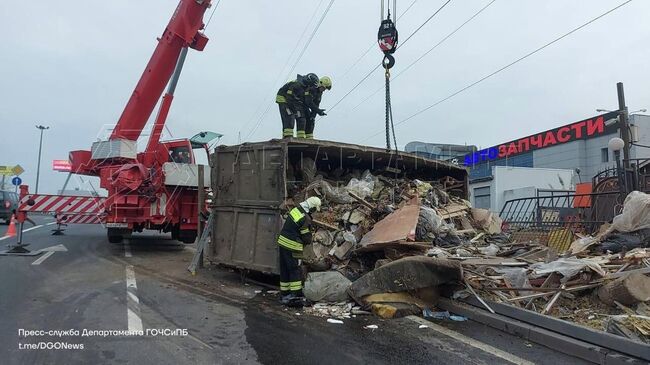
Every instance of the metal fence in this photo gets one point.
(557, 218)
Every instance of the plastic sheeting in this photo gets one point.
(362, 187)
(327, 286)
(430, 225)
(635, 215)
(568, 267)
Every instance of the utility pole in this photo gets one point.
(40, 147)
(623, 125)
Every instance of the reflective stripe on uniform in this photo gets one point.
(309, 135)
(300, 134)
(287, 132)
(296, 214)
(304, 231)
(280, 99)
(295, 285)
(289, 244)
(284, 286)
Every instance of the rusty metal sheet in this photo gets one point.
(397, 226)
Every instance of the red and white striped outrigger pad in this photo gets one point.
(68, 209)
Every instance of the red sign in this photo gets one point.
(61, 165)
(583, 129)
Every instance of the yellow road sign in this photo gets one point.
(18, 170)
(11, 170)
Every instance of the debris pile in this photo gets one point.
(601, 282)
(394, 245)
(374, 233)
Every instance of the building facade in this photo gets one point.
(507, 183)
(580, 146)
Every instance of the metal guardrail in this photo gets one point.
(554, 220)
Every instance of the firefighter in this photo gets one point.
(290, 99)
(312, 101)
(295, 233)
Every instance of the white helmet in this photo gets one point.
(312, 202)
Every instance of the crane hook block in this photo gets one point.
(387, 36)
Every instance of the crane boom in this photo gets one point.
(182, 31)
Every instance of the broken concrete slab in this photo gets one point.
(409, 273)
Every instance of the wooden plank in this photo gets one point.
(325, 225)
(361, 200)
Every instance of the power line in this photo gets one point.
(426, 21)
(210, 18)
(507, 66)
(277, 80)
(311, 37)
(374, 44)
(379, 65)
(427, 52)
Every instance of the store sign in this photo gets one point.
(61, 165)
(583, 129)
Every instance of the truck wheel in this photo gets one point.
(175, 232)
(187, 236)
(116, 235)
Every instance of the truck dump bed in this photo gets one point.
(253, 182)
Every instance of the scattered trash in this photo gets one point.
(335, 321)
(423, 326)
(257, 291)
(371, 327)
(428, 313)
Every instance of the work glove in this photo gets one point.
(321, 112)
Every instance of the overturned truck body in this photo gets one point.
(254, 183)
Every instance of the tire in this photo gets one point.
(116, 235)
(175, 232)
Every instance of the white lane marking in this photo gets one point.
(472, 342)
(25, 230)
(49, 251)
(51, 223)
(32, 228)
(43, 258)
(127, 249)
(132, 301)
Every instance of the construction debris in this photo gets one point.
(402, 242)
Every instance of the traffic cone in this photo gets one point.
(11, 231)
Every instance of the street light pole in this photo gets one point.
(623, 125)
(40, 147)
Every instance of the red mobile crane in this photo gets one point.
(157, 188)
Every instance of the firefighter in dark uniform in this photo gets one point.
(295, 233)
(312, 102)
(290, 99)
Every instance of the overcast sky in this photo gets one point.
(72, 65)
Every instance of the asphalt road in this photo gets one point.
(211, 318)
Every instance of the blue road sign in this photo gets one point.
(16, 181)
